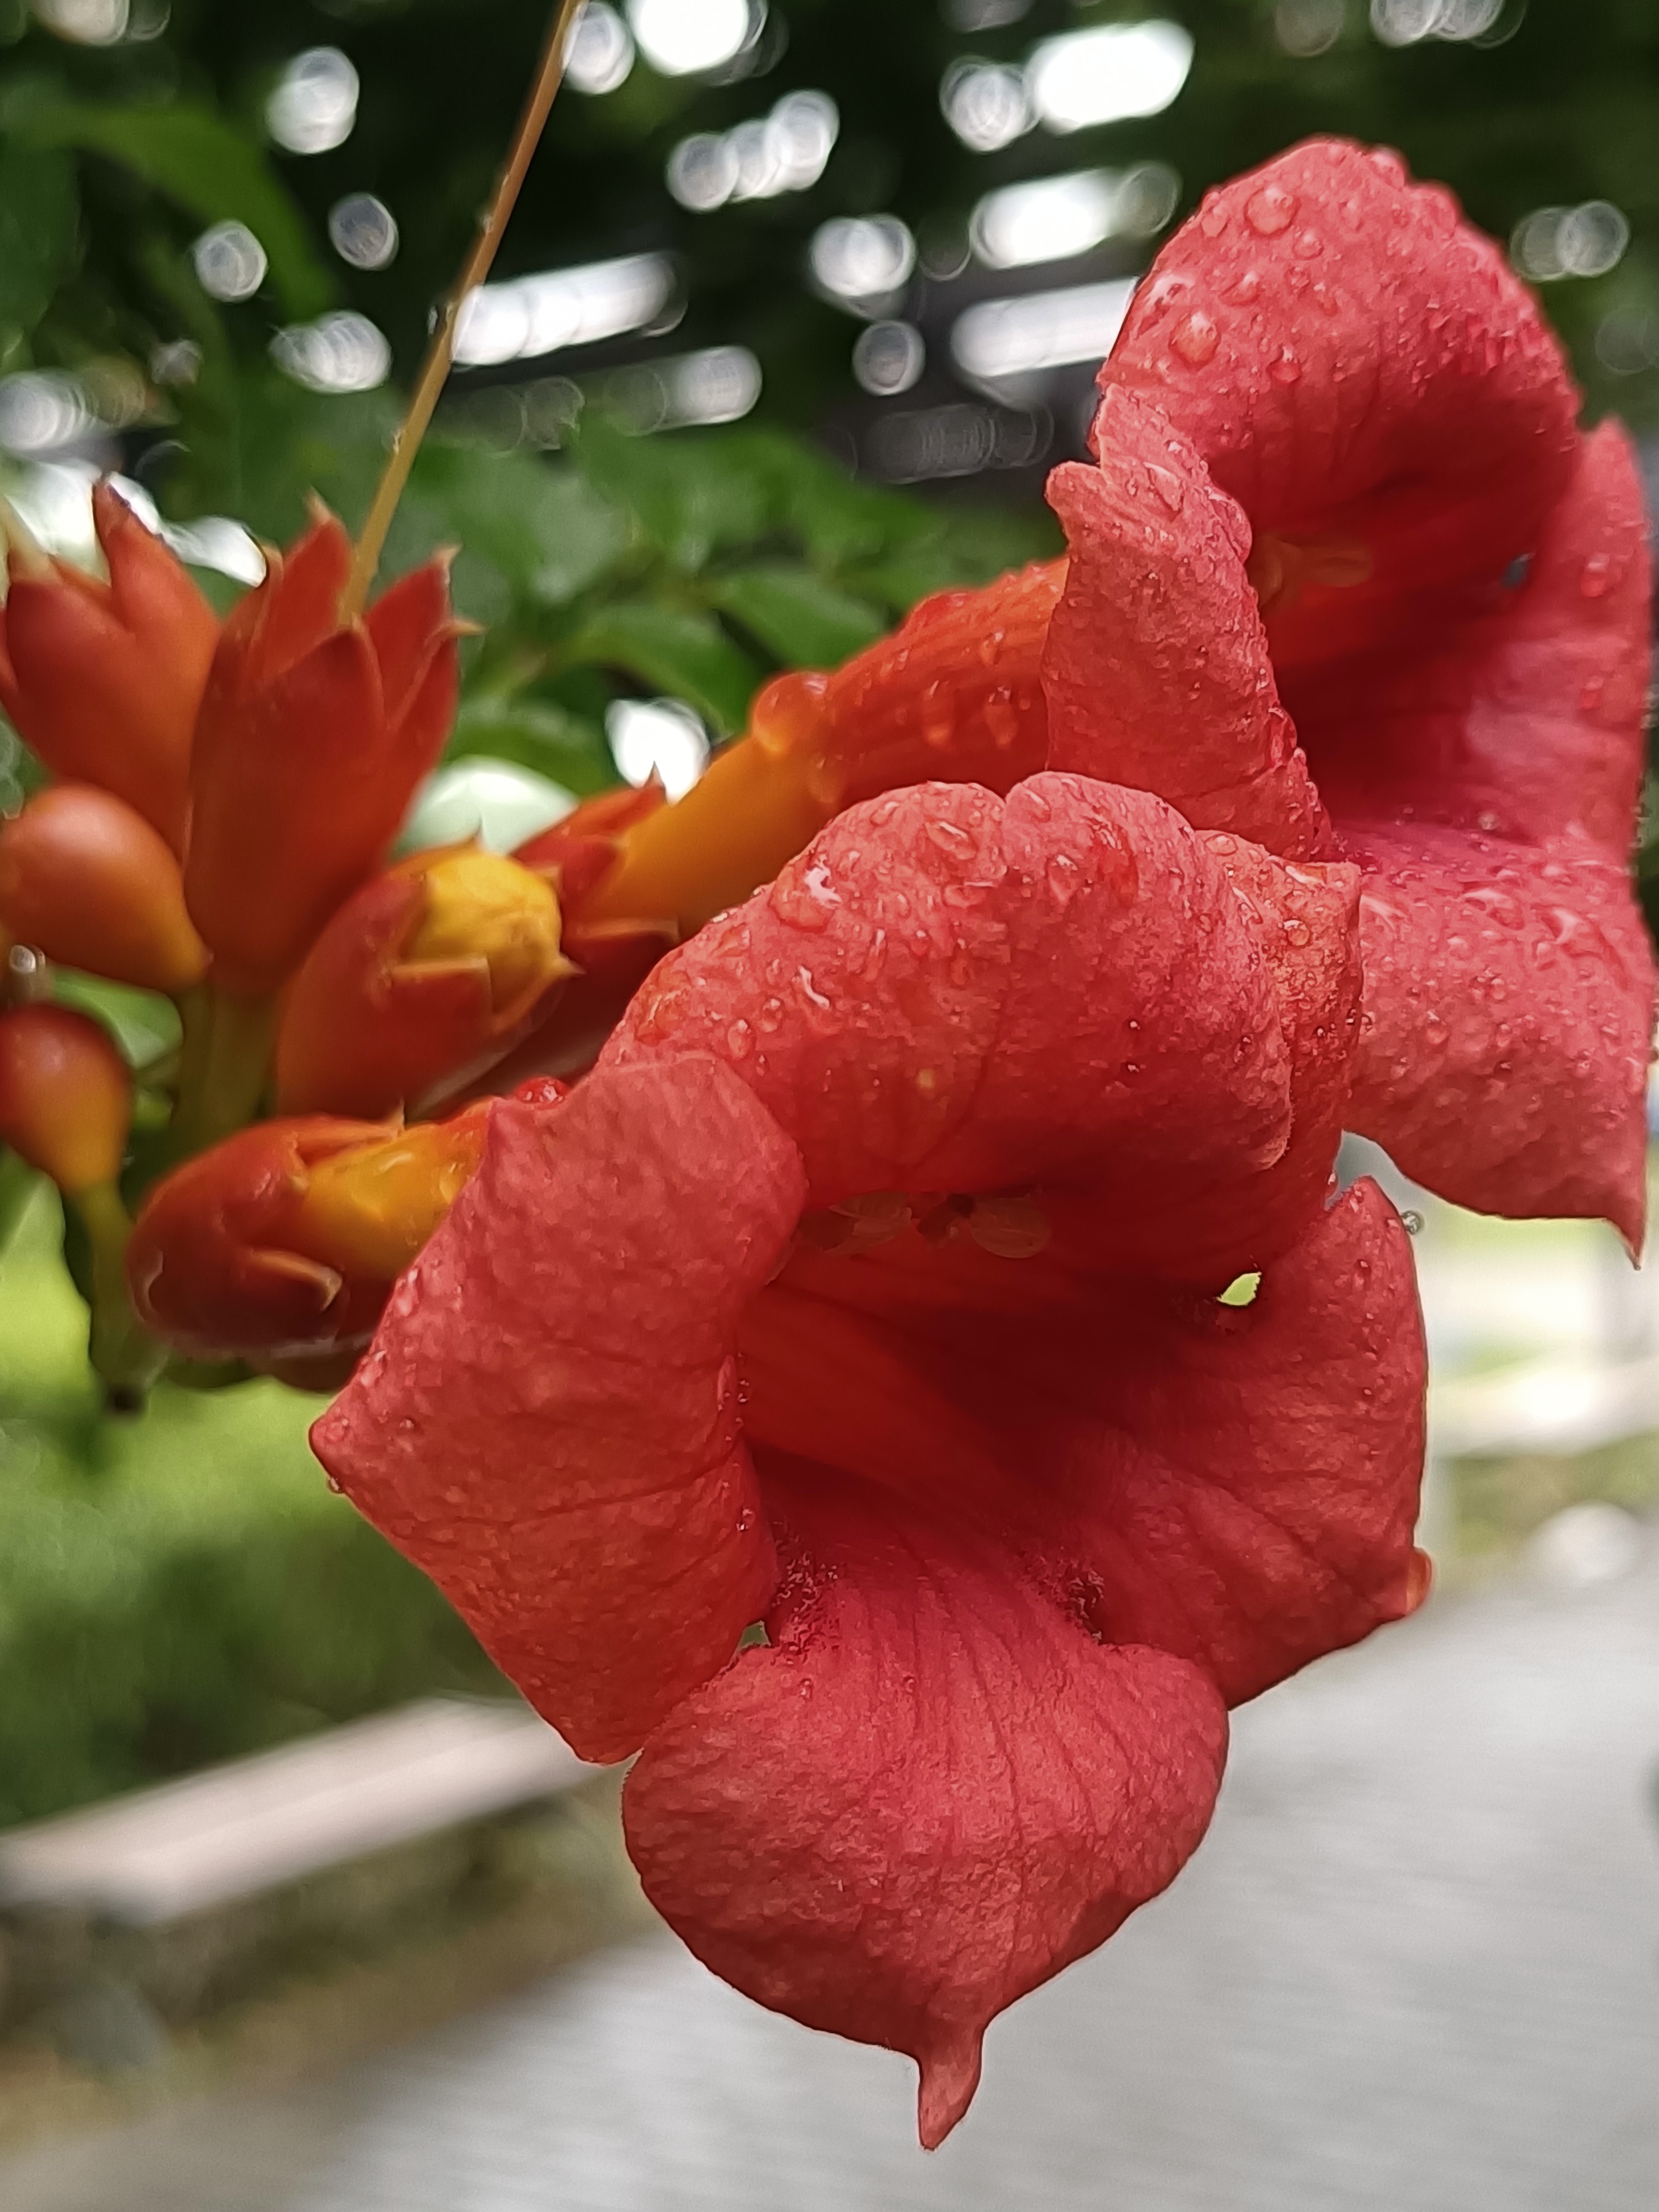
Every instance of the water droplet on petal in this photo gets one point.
(1286, 369)
(949, 837)
(1271, 211)
(1012, 1228)
(1196, 339)
(1064, 878)
(1596, 576)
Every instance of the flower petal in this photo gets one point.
(290, 809)
(407, 623)
(548, 1422)
(949, 990)
(1156, 669)
(1207, 1227)
(1351, 361)
(1525, 714)
(934, 1792)
(1263, 1513)
(1509, 1012)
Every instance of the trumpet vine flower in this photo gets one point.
(867, 1290)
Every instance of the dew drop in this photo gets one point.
(1064, 878)
(1589, 697)
(1284, 368)
(1196, 339)
(939, 716)
(739, 1040)
(1212, 215)
(1271, 211)
(1596, 576)
(1297, 932)
(1307, 245)
(1247, 288)
(1168, 487)
(949, 837)
(1412, 1223)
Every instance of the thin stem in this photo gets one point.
(223, 1069)
(126, 1356)
(434, 370)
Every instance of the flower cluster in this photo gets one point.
(921, 1374)
(217, 829)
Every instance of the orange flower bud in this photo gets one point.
(88, 881)
(428, 975)
(281, 1244)
(310, 741)
(955, 693)
(66, 1096)
(103, 680)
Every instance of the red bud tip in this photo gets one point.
(66, 1096)
(84, 877)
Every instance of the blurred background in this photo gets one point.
(802, 299)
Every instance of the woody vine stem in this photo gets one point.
(434, 370)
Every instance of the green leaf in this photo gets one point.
(799, 619)
(205, 165)
(689, 495)
(548, 531)
(40, 212)
(837, 520)
(144, 1025)
(536, 734)
(688, 655)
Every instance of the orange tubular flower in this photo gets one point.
(426, 977)
(283, 1242)
(93, 885)
(103, 680)
(956, 692)
(313, 736)
(66, 1096)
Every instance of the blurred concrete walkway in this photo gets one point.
(1415, 1969)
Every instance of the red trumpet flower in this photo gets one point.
(281, 1244)
(868, 1287)
(1454, 591)
(103, 680)
(314, 734)
(1345, 580)
(426, 976)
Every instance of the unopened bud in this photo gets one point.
(88, 880)
(483, 908)
(66, 1096)
(283, 1242)
(368, 1210)
(428, 975)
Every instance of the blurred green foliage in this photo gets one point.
(183, 1588)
